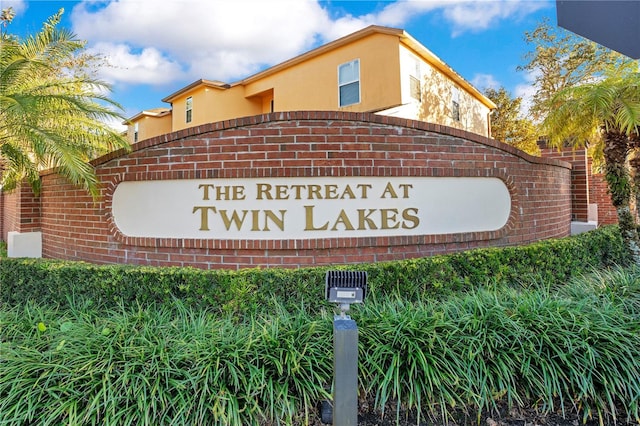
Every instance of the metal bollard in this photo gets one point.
(345, 288)
(345, 372)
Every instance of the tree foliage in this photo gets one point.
(589, 96)
(607, 113)
(53, 112)
(562, 59)
(580, 114)
(507, 123)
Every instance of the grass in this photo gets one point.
(156, 366)
(574, 347)
(497, 345)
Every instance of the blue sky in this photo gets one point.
(157, 47)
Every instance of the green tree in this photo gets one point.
(507, 124)
(53, 112)
(561, 59)
(604, 112)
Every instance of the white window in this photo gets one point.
(415, 88)
(349, 83)
(455, 104)
(189, 109)
(135, 132)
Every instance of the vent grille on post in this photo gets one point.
(345, 286)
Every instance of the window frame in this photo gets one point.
(349, 82)
(455, 104)
(188, 109)
(415, 83)
(415, 79)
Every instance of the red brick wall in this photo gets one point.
(586, 187)
(304, 144)
(10, 214)
(20, 211)
(580, 195)
(599, 193)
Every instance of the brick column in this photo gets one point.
(580, 166)
(21, 221)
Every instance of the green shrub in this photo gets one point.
(158, 366)
(573, 346)
(250, 290)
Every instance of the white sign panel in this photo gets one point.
(305, 208)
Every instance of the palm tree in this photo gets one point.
(52, 112)
(604, 112)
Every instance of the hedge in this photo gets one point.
(60, 283)
(571, 350)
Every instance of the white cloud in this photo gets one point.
(18, 6)
(480, 15)
(485, 81)
(155, 42)
(463, 15)
(115, 124)
(346, 25)
(526, 91)
(148, 66)
(209, 39)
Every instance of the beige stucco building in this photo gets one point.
(377, 69)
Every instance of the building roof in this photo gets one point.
(202, 82)
(438, 63)
(154, 112)
(403, 36)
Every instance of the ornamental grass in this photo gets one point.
(574, 347)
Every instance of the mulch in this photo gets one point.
(503, 416)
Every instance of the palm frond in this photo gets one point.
(52, 115)
(579, 113)
(627, 116)
(18, 166)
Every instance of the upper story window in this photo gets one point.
(135, 132)
(455, 104)
(189, 109)
(349, 82)
(415, 88)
